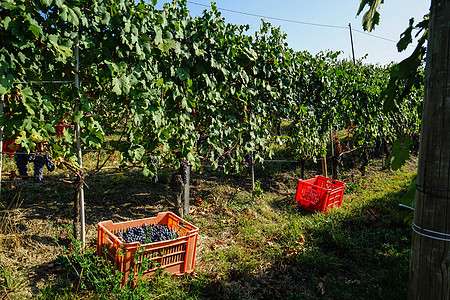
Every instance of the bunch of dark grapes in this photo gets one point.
(22, 160)
(247, 160)
(199, 140)
(146, 234)
(183, 170)
(158, 233)
(226, 156)
(154, 161)
(41, 161)
(133, 234)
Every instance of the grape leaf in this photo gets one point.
(400, 153)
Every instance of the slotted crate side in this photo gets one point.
(309, 196)
(327, 183)
(175, 256)
(172, 258)
(334, 199)
(319, 193)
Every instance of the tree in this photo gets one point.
(430, 253)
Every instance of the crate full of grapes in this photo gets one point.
(141, 247)
(319, 193)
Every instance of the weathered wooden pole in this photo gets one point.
(430, 261)
(79, 199)
(187, 191)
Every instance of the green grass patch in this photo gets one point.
(250, 246)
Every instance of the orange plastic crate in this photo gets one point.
(319, 193)
(175, 256)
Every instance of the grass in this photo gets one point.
(251, 246)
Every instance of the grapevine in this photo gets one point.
(179, 91)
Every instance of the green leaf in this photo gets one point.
(35, 30)
(6, 84)
(136, 153)
(106, 18)
(64, 13)
(146, 172)
(406, 37)
(182, 73)
(6, 22)
(154, 2)
(409, 197)
(158, 35)
(59, 3)
(166, 45)
(400, 153)
(78, 116)
(46, 3)
(72, 17)
(116, 86)
(372, 16)
(389, 97)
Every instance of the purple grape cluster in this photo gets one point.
(222, 158)
(146, 234)
(183, 170)
(22, 160)
(154, 161)
(199, 140)
(247, 160)
(41, 161)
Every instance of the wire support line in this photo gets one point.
(272, 18)
(432, 188)
(32, 177)
(432, 234)
(426, 191)
(403, 205)
(375, 36)
(44, 82)
(298, 22)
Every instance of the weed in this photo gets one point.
(11, 282)
(257, 191)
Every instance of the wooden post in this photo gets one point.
(351, 41)
(80, 189)
(302, 168)
(324, 166)
(429, 276)
(186, 192)
(253, 175)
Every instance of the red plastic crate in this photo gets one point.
(9, 147)
(175, 256)
(59, 128)
(319, 193)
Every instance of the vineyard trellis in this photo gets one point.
(177, 88)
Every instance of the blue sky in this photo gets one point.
(395, 15)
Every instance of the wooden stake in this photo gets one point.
(186, 192)
(324, 166)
